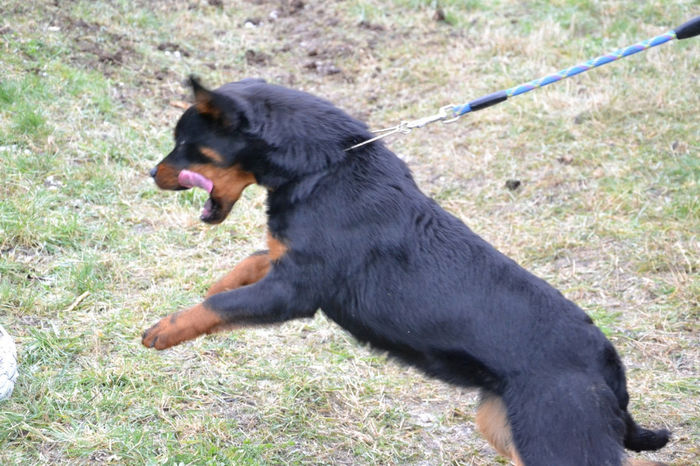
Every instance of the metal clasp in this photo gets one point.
(445, 114)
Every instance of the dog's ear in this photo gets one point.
(204, 99)
(227, 111)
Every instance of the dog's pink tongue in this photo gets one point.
(190, 179)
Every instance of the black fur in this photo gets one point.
(385, 262)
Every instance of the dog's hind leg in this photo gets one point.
(250, 270)
(492, 421)
(566, 419)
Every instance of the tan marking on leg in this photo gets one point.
(276, 247)
(182, 326)
(492, 421)
(248, 271)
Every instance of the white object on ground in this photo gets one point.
(8, 364)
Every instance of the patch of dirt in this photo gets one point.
(322, 67)
(257, 58)
(97, 46)
(371, 26)
(173, 48)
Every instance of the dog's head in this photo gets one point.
(211, 147)
(250, 131)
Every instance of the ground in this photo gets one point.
(591, 183)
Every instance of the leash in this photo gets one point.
(452, 113)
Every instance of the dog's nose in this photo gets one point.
(153, 172)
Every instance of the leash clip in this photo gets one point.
(446, 114)
(452, 117)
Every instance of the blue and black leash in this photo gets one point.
(452, 113)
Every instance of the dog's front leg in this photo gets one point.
(268, 301)
(181, 326)
(251, 270)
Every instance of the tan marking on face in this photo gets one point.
(229, 182)
(166, 176)
(247, 272)
(492, 421)
(211, 154)
(276, 247)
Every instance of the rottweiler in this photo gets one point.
(350, 233)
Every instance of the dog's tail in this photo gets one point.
(638, 438)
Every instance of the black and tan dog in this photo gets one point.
(350, 233)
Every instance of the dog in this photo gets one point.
(350, 233)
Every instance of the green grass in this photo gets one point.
(91, 253)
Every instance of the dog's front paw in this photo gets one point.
(164, 334)
(182, 326)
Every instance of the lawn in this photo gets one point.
(92, 253)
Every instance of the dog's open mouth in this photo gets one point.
(212, 208)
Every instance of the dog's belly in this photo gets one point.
(465, 330)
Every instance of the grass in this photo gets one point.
(91, 253)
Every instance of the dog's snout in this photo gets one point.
(153, 172)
